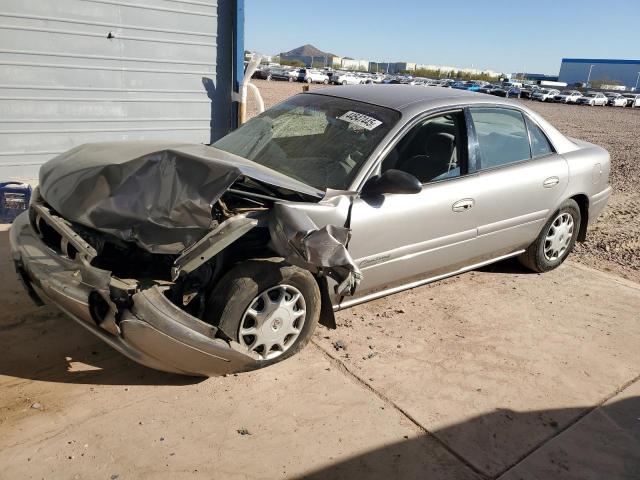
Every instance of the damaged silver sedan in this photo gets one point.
(206, 260)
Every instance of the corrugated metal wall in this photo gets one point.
(77, 71)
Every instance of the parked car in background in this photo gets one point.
(528, 90)
(476, 86)
(567, 96)
(278, 73)
(294, 74)
(346, 78)
(329, 199)
(488, 88)
(618, 102)
(545, 94)
(308, 75)
(507, 91)
(261, 72)
(615, 99)
(593, 99)
(461, 85)
(633, 99)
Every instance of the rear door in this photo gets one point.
(517, 180)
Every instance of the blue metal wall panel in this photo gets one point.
(575, 70)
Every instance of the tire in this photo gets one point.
(344, 82)
(290, 79)
(535, 257)
(309, 80)
(325, 82)
(242, 287)
(269, 78)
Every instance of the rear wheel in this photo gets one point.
(556, 240)
(268, 306)
(309, 80)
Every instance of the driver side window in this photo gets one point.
(431, 151)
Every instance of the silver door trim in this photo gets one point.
(407, 286)
(415, 249)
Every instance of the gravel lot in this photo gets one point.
(613, 244)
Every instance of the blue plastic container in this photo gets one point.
(14, 199)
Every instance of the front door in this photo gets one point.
(404, 236)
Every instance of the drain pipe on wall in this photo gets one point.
(247, 85)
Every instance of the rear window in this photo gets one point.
(502, 136)
(540, 145)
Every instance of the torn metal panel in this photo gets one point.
(296, 237)
(211, 244)
(158, 195)
(68, 236)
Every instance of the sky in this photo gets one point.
(500, 35)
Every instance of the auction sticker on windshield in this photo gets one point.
(361, 120)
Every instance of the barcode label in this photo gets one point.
(361, 120)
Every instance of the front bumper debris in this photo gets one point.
(150, 329)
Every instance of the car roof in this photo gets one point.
(406, 97)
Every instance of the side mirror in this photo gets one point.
(391, 181)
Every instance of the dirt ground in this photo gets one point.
(494, 374)
(614, 242)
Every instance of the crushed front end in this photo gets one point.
(143, 284)
(139, 321)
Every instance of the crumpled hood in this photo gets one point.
(158, 195)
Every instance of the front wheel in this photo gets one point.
(555, 241)
(268, 306)
(309, 80)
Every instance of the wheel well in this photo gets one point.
(583, 203)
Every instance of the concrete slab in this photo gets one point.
(302, 415)
(604, 444)
(496, 362)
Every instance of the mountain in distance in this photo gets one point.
(307, 51)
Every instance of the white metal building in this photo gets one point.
(77, 71)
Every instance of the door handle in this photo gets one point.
(463, 205)
(551, 182)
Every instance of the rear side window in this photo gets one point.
(540, 145)
(502, 136)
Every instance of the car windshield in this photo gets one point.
(566, 92)
(590, 95)
(319, 140)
